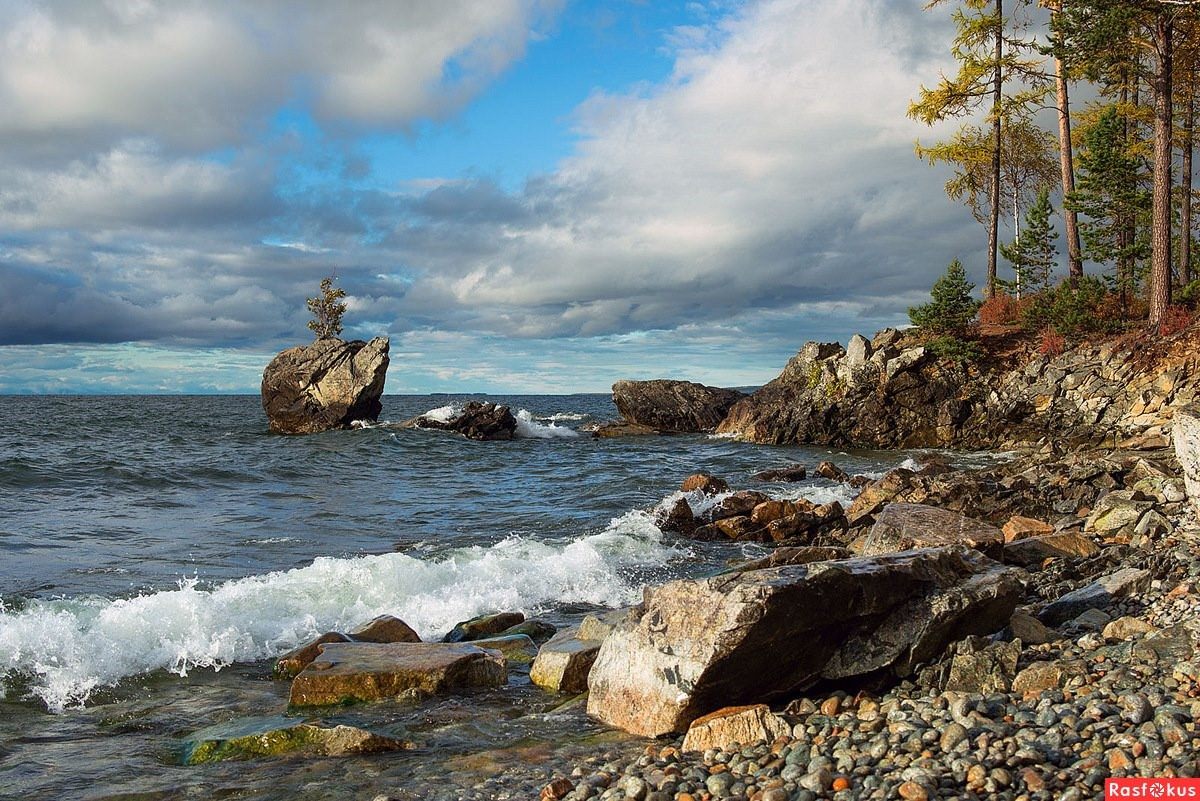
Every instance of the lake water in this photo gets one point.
(156, 553)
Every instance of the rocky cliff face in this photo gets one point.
(889, 392)
(326, 385)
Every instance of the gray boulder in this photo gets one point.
(749, 637)
(326, 385)
(1185, 435)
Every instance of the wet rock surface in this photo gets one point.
(326, 385)
(478, 420)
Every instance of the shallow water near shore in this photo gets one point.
(157, 552)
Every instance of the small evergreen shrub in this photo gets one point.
(1189, 294)
(952, 309)
(1072, 310)
(954, 349)
(327, 310)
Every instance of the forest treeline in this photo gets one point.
(1120, 162)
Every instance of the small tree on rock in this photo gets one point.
(947, 319)
(327, 310)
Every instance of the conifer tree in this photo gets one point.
(952, 308)
(327, 310)
(1109, 193)
(1034, 254)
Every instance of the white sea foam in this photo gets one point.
(529, 428)
(66, 649)
(443, 414)
(559, 417)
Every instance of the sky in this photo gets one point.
(524, 195)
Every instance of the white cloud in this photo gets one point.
(775, 165)
(199, 76)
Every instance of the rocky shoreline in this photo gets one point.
(1023, 631)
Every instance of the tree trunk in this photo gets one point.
(1160, 234)
(1067, 161)
(994, 193)
(1185, 204)
(1125, 231)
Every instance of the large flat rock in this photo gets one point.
(350, 672)
(751, 637)
(904, 526)
(270, 736)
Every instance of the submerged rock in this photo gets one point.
(705, 484)
(698, 645)
(789, 474)
(326, 385)
(354, 672)
(518, 648)
(537, 630)
(251, 738)
(384, 628)
(673, 406)
(484, 626)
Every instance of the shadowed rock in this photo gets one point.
(326, 385)
(673, 406)
(750, 637)
(478, 420)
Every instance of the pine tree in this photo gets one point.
(1110, 195)
(1034, 254)
(952, 308)
(327, 310)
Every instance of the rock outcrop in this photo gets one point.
(891, 393)
(326, 385)
(751, 637)
(478, 420)
(673, 406)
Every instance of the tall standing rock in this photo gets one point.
(328, 384)
(677, 407)
(753, 637)
(1185, 434)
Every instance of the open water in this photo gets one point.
(157, 552)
